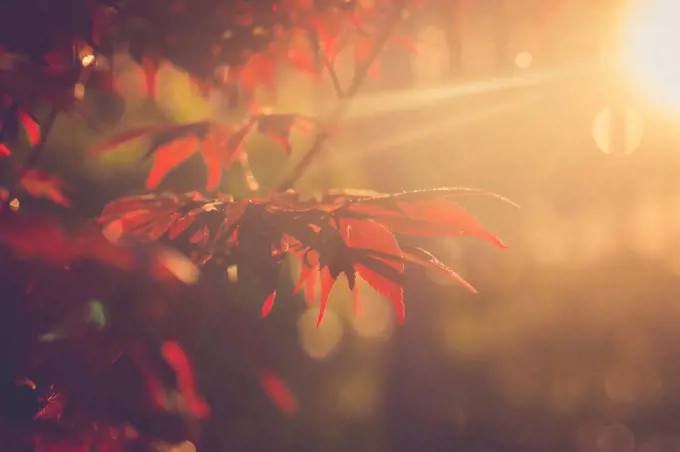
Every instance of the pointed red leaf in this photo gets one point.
(259, 70)
(180, 226)
(170, 156)
(30, 126)
(215, 150)
(309, 270)
(4, 150)
(268, 304)
(438, 217)
(452, 216)
(278, 127)
(234, 147)
(327, 282)
(277, 391)
(367, 234)
(40, 184)
(178, 360)
(303, 60)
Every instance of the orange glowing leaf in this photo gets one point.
(277, 391)
(259, 70)
(416, 215)
(268, 304)
(215, 150)
(30, 126)
(327, 282)
(367, 234)
(40, 184)
(180, 226)
(309, 264)
(169, 156)
(178, 360)
(451, 217)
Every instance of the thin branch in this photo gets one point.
(360, 75)
(334, 78)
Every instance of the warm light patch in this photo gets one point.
(523, 60)
(87, 60)
(180, 266)
(630, 139)
(186, 446)
(358, 396)
(320, 342)
(375, 319)
(650, 46)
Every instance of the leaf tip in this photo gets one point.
(268, 305)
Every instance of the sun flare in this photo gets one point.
(651, 46)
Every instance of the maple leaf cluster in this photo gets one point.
(348, 233)
(220, 145)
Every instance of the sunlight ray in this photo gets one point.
(444, 125)
(449, 124)
(386, 102)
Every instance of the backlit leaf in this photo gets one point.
(40, 184)
(170, 156)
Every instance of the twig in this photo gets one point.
(334, 78)
(340, 107)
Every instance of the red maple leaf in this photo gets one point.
(219, 145)
(30, 126)
(369, 235)
(278, 392)
(40, 184)
(178, 360)
(169, 156)
(279, 127)
(350, 232)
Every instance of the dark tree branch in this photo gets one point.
(334, 78)
(360, 75)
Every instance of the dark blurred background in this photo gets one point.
(571, 342)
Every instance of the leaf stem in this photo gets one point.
(338, 111)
